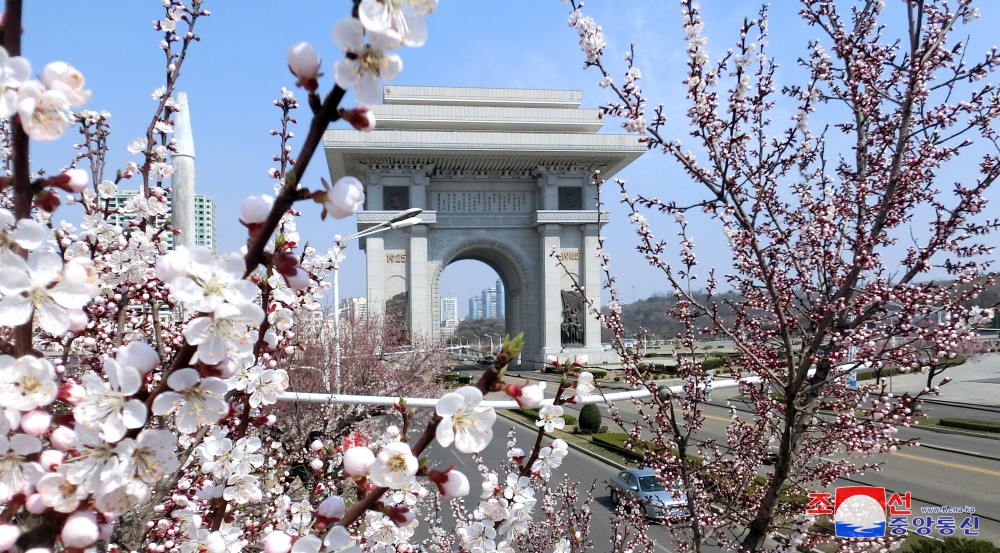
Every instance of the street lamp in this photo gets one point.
(499, 342)
(405, 218)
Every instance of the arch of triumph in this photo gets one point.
(503, 177)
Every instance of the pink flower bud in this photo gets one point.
(361, 118)
(304, 63)
(73, 181)
(277, 542)
(581, 359)
(316, 464)
(332, 508)
(226, 368)
(50, 459)
(400, 516)
(255, 209)
(36, 423)
(80, 530)
(300, 280)
(451, 483)
(138, 355)
(316, 445)
(8, 535)
(63, 438)
(342, 199)
(77, 319)
(358, 461)
(552, 360)
(527, 396)
(72, 393)
(34, 504)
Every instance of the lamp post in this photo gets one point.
(406, 218)
(499, 342)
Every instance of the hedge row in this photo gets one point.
(971, 424)
(615, 441)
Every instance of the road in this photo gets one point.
(935, 474)
(579, 467)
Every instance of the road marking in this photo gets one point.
(947, 464)
(713, 417)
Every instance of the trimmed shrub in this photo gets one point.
(598, 373)
(590, 418)
(711, 363)
(971, 424)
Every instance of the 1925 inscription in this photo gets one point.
(395, 258)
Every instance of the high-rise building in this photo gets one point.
(204, 207)
(204, 221)
(449, 310)
(476, 307)
(489, 303)
(501, 303)
(354, 308)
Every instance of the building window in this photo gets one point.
(570, 198)
(395, 198)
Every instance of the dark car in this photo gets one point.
(658, 502)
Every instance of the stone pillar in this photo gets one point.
(182, 181)
(551, 292)
(421, 316)
(418, 192)
(590, 277)
(375, 255)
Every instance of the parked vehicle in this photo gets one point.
(658, 502)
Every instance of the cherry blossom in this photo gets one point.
(39, 287)
(27, 233)
(394, 467)
(197, 401)
(212, 280)
(550, 457)
(14, 70)
(27, 382)
(343, 199)
(106, 405)
(399, 20)
(225, 332)
(551, 418)
(463, 422)
(59, 493)
(150, 456)
(17, 472)
(45, 114)
(66, 79)
(372, 64)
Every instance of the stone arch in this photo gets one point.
(511, 266)
(499, 181)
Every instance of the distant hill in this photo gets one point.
(653, 314)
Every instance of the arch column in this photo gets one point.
(551, 290)
(421, 315)
(590, 274)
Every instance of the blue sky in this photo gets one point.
(238, 68)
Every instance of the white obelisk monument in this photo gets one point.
(182, 181)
